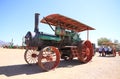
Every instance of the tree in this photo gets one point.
(118, 45)
(102, 40)
(116, 41)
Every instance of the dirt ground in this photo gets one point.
(13, 66)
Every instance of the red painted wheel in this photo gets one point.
(49, 58)
(85, 51)
(31, 56)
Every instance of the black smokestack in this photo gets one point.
(36, 22)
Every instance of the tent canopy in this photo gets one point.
(109, 43)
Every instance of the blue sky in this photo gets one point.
(17, 17)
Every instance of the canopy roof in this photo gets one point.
(109, 43)
(65, 22)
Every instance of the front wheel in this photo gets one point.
(31, 56)
(49, 58)
(85, 51)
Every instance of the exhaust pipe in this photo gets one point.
(36, 29)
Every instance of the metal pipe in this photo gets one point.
(48, 24)
(36, 29)
(87, 34)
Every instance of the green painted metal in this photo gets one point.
(47, 37)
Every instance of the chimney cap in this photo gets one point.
(37, 14)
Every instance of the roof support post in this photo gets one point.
(87, 34)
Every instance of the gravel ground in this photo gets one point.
(13, 66)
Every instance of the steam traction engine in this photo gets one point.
(47, 50)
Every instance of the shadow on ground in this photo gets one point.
(13, 70)
(19, 69)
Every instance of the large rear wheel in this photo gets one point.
(85, 51)
(49, 58)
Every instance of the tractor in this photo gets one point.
(48, 49)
